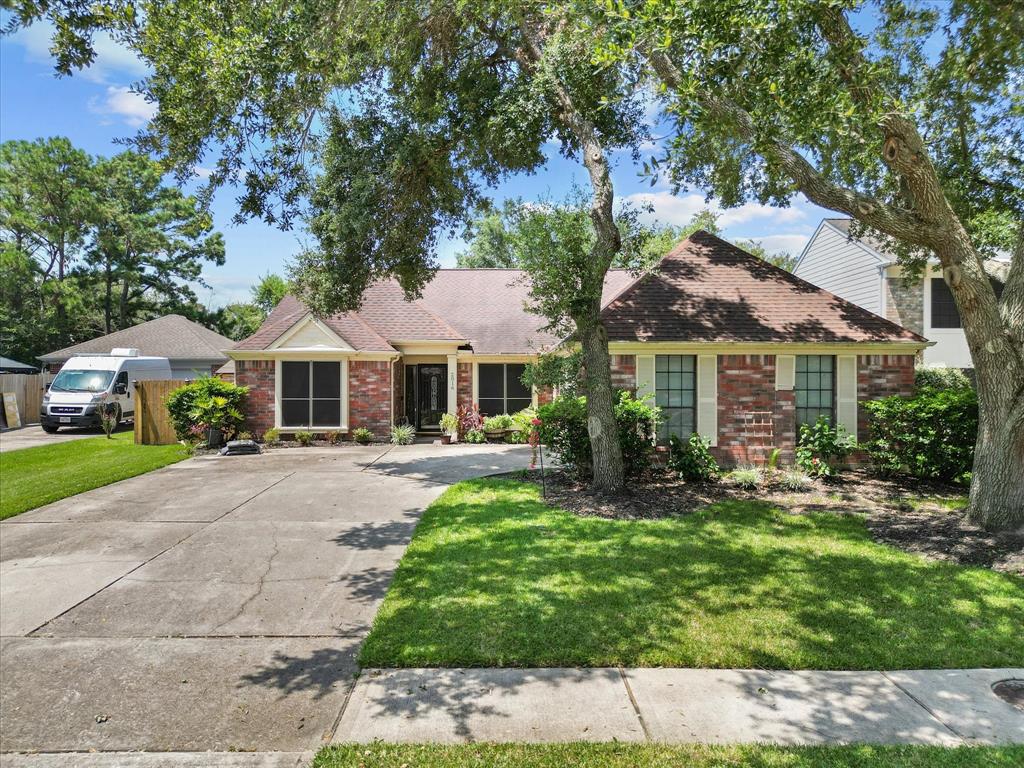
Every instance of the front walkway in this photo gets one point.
(938, 707)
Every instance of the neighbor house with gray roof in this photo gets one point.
(192, 349)
(727, 345)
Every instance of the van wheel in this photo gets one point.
(50, 429)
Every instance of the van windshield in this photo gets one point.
(81, 381)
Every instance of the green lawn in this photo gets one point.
(493, 577)
(35, 476)
(659, 756)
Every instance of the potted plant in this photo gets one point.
(449, 428)
(495, 427)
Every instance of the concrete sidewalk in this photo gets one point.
(940, 707)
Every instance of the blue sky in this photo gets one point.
(95, 108)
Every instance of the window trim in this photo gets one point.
(834, 406)
(342, 396)
(504, 385)
(695, 373)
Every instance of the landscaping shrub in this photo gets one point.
(795, 480)
(748, 478)
(362, 435)
(821, 446)
(475, 436)
(304, 438)
(207, 402)
(930, 435)
(564, 430)
(522, 425)
(692, 459)
(334, 437)
(272, 435)
(403, 434)
(941, 378)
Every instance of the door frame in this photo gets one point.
(412, 399)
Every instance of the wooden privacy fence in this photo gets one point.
(152, 419)
(28, 389)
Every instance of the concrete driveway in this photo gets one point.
(216, 604)
(32, 435)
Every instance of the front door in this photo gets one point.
(427, 393)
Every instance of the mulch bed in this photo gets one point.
(903, 512)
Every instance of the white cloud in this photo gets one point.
(126, 104)
(790, 243)
(112, 60)
(679, 209)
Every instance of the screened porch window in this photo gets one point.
(310, 394)
(500, 388)
(815, 388)
(675, 393)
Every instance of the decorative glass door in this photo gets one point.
(430, 396)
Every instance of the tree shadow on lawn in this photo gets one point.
(493, 577)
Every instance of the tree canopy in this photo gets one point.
(92, 245)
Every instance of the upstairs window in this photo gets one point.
(944, 311)
(500, 388)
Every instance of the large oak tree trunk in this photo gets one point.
(997, 482)
(609, 474)
(608, 470)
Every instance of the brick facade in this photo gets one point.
(904, 302)
(464, 385)
(623, 369)
(258, 375)
(880, 376)
(369, 396)
(753, 417)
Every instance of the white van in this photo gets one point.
(74, 396)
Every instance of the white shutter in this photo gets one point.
(645, 377)
(785, 371)
(707, 397)
(846, 392)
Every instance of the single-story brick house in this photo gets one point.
(730, 346)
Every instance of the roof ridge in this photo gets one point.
(789, 276)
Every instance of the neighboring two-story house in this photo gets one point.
(859, 270)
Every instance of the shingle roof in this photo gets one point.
(6, 364)
(708, 290)
(290, 310)
(171, 336)
(705, 290)
(488, 306)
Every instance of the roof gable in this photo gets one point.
(310, 334)
(708, 290)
